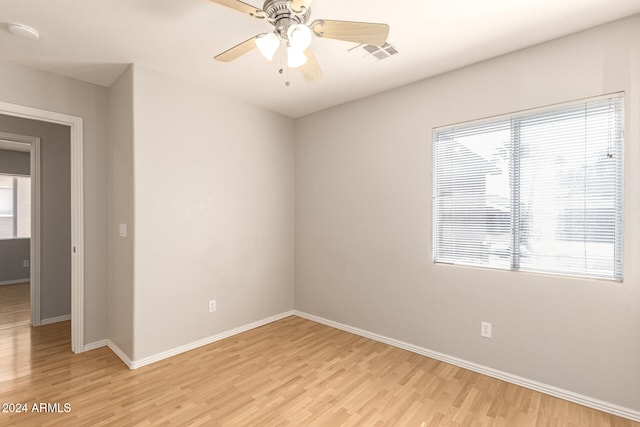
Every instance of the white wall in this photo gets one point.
(213, 213)
(363, 224)
(120, 211)
(34, 88)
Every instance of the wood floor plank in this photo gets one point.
(15, 305)
(290, 373)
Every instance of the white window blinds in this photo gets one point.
(15, 207)
(537, 191)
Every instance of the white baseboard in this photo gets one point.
(14, 282)
(121, 354)
(485, 370)
(55, 319)
(135, 364)
(94, 345)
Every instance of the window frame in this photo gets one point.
(514, 195)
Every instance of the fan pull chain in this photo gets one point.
(282, 68)
(287, 82)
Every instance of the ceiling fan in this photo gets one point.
(291, 32)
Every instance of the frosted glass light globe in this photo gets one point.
(268, 44)
(299, 36)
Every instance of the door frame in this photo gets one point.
(77, 210)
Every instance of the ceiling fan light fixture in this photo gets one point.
(295, 58)
(299, 36)
(292, 34)
(268, 44)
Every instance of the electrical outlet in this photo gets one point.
(212, 306)
(25, 263)
(485, 329)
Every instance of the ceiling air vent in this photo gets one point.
(374, 53)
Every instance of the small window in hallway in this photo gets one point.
(15, 207)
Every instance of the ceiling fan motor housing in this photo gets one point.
(281, 16)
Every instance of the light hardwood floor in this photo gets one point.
(14, 305)
(290, 373)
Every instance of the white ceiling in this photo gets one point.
(94, 40)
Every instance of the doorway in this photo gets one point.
(77, 215)
(19, 230)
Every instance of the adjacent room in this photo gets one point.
(15, 234)
(299, 212)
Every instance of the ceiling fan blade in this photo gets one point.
(237, 51)
(241, 7)
(351, 31)
(297, 5)
(310, 70)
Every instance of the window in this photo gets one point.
(15, 207)
(537, 191)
